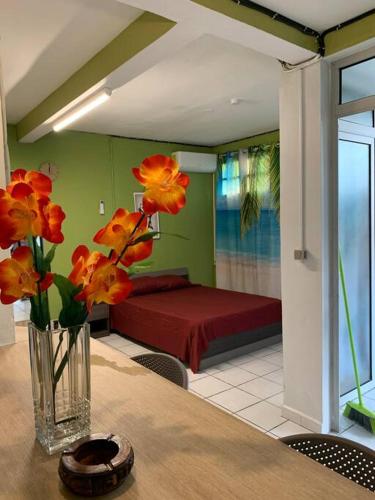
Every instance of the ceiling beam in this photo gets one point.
(156, 35)
(261, 21)
(106, 68)
(230, 21)
(360, 31)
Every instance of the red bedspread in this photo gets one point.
(182, 322)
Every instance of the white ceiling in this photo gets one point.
(43, 42)
(186, 98)
(319, 14)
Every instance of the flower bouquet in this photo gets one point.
(60, 357)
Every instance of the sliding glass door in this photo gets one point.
(355, 211)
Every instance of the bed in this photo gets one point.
(199, 325)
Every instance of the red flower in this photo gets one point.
(120, 231)
(18, 277)
(100, 279)
(30, 181)
(164, 185)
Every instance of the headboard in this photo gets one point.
(179, 271)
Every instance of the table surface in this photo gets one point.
(185, 448)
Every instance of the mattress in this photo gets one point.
(183, 321)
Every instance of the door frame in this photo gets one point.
(339, 111)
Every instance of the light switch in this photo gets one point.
(101, 207)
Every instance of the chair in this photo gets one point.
(350, 459)
(166, 366)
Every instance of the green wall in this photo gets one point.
(97, 167)
(255, 140)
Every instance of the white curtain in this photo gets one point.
(7, 334)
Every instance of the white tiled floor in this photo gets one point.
(251, 388)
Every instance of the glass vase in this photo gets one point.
(60, 372)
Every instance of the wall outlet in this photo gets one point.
(300, 254)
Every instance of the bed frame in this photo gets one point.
(225, 348)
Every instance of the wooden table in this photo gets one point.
(184, 447)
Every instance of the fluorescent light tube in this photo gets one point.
(82, 109)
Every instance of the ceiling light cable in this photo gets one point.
(319, 36)
(301, 65)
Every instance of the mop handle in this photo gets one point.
(349, 323)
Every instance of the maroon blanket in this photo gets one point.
(182, 322)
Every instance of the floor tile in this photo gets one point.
(277, 376)
(249, 423)
(117, 341)
(197, 394)
(259, 367)
(277, 400)
(289, 429)
(133, 350)
(345, 423)
(107, 339)
(277, 347)
(234, 399)
(217, 368)
(263, 414)
(195, 376)
(261, 353)
(235, 376)
(261, 388)
(208, 386)
(239, 360)
(276, 358)
(220, 407)
(271, 435)
(360, 435)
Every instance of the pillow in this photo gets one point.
(152, 284)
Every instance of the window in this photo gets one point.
(230, 175)
(357, 81)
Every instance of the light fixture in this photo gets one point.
(83, 108)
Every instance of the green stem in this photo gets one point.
(36, 266)
(73, 332)
(350, 330)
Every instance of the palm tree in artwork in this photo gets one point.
(263, 175)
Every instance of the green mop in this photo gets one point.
(355, 411)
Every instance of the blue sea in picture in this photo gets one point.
(262, 242)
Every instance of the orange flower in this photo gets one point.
(18, 277)
(30, 181)
(24, 214)
(53, 217)
(120, 231)
(165, 185)
(101, 280)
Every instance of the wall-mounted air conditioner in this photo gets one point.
(204, 163)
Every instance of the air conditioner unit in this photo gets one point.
(204, 163)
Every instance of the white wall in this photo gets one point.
(6, 312)
(304, 283)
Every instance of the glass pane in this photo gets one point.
(354, 240)
(358, 81)
(366, 118)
